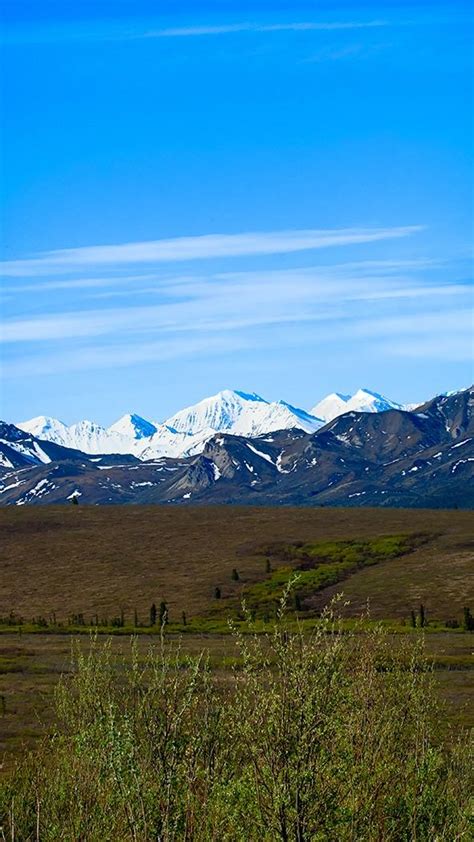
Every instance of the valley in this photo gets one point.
(60, 563)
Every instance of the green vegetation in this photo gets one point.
(318, 565)
(317, 737)
(311, 566)
(59, 562)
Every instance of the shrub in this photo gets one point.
(318, 737)
(452, 624)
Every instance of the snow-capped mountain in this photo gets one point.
(331, 406)
(398, 458)
(19, 449)
(242, 414)
(269, 417)
(134, 427)
(184, 434)
(86, 436)
(218, 412)
(362, 401)
(170, 443)
(49, 429)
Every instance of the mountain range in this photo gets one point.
(186, 432)
(386, 457)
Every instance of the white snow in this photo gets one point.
(39, 488)
(362, 401)
(75, 493)
(278, 464)
(42, 456)
(12, 485)
(133, 426)
(241, 414)
(27, 448)
(218, 412)
(261, 454)
(462, 462)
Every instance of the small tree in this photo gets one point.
(422, 616)
(235, 575)
(163, 613)
(153, 615)
(468, 621)
(135, 619)
(75, 501)
(183, 618)
(268, 567)
(217, 593)
(413, 618)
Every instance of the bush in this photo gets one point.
(321, 737)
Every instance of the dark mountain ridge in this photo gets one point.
(391, 458)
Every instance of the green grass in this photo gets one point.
(311, 567)
(63, 561)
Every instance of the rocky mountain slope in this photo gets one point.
(388, 458)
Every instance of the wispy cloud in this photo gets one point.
(119, 355)
(198, 248)
(440, 323)
(386, 304)
(455, 348)
(77, 283)
(242, 300)
(231, 28)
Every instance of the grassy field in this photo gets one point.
(102, 561)
(99, 560)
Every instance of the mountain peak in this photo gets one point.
(41, 421)
(232, 395)
(218, 412)
(364, 400)
(363, 392)
(133, 426)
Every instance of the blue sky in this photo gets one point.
(274, 197)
